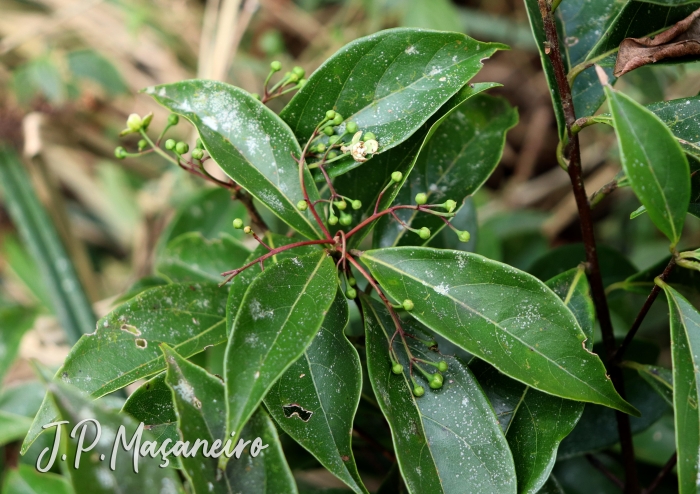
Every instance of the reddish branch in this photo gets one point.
(234, 272)
(593, 268)
(616, 357)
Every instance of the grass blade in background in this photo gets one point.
(69, 301)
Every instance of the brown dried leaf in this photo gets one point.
(681, 40)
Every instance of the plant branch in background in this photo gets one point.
(588, 234)
(617, 356)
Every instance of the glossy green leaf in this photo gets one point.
(597, 428)
(152, 404)
(534, 422)
(367, 183)
(659, 378)
(682, 116)
(188, 317)
(685, 349)
(241, 283)
(389, 83)
(268, 473)
(653, 162)
(448, 438)
(14, 322)
(201, 413)
(453, 164)
(273, 327)
(315, 400)
(70, 303)
(250, 143)
(541, 421)
(191, 257)
(210, 212)
(499, 314)
(27, 480)
(582, 23)
(95, 474)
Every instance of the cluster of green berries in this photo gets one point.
(350, 291)
(295, 77)
(136, 124)
(238, 225)
(435, 380)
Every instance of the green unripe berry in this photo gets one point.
(351, 127)
(275, 66)
(328, 130)
(333, 139)
(173, 119)
(299, 71)
(351, 293)
(442, 366)
(369, 136)
(450, 205)
(332, 155)
(407, 304)
(142, 144)
(464, 236)
(198, 143)
(293, 77)
(397, 368)
(436, 381)
(247, 230)
(238, 223)
(302, 205)
(356, 204)
(181, 147)
(338, 119)
(170, 144)
(197, 154)
(320, 147)
(146, 121)
(134, 122)
(396, 176)
(421, 198)
(342, 205)
(345, 219)
(332, 219)
(418, 391)
(301, 83)
(330, 114)
(255, 96)
(120, 153)
(352, 281)
(424, 233)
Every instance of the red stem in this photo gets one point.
(375, 216)
(394, 316)
(302, 165)
(273, 252)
